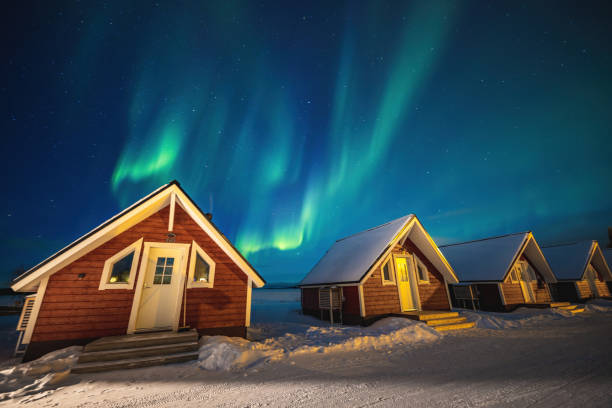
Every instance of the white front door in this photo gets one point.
(161, 289)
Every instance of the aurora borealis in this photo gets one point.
(298, 124)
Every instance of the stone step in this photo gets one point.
(449, 320)
(575, 311)
(456, 326)
(138, 352)
(570, 307)
(558, 304)
(436, 315)
(98, 366)
(142, 340)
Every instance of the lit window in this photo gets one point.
(202, 270)
(387, 275)
(121, 269)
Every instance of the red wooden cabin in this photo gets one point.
(161, 264)
(390, 269)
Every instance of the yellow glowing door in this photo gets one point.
(405, 270)
(525, 281)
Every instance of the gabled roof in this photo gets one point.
(490, 259)
(569, 261)
(350, 259)
(138, 211)
(607, 253)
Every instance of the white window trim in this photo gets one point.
(196, 249)
(418, 276)
(391, 272)
(108, 267)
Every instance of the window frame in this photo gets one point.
(391, 263)
(135, 247)
(197, 250)
(418, 275)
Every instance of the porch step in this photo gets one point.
(137, 352)
(97, 366)
(577, 310)
(141, 340)
(455, 326)
(448, 320)
(569, 307)
(425, 316)
(559, 304)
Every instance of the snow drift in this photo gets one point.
(278, 341)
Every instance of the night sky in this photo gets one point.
(298, 124)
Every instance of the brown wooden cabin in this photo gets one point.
(390, 269)
(608, 255)
(161, 264)
(581, 270)
(499, 273)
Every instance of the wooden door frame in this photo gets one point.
(416, 298)
(141, 276)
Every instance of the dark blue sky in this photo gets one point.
(299, 124)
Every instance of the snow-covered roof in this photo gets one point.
(350, 258)
(486, 259)
(569, 261)
(607, 253)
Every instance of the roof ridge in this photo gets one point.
(568, 243)
(373, 228)
(484, 239)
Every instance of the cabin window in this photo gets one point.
(201, 268)
(513, 276)
(422, 272)
(387, 273)
(163, 271)
(120, 269)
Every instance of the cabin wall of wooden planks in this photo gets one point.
(433, 294)
(513, 294)
(603, 289)
(379, 299)
(383, 299)
(74, 308)
(540, 292)
(310, 298)
(584, 291)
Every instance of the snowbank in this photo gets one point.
(284, 340)
(525, 317)
(38, 375)
(599, 305)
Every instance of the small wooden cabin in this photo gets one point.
(608, 255)
(393, 268)
(499, 273)
(581, 270)
(161, 264)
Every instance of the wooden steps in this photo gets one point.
(444, 321)
(573, 309)
(138, 350)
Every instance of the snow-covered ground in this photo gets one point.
(529, 357)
